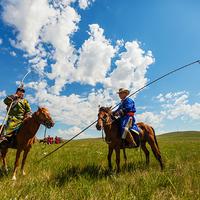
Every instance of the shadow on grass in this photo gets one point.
(134, 166)
(3, 173)
(92, 172)
(75, 172)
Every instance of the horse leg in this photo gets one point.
(117, 152)
(144, 148)
(24, 160)
(16, 163)
(110, 151)
(125, 157)
(156, 151)
(3, 154)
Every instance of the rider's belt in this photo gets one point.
(130, 114)
(17, 116)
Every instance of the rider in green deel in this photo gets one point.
(20, 109)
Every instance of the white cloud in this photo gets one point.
(85, 3)
(2, 105)
(95, 57)
(73, 110)
(70, 132)
(12, 53)
(1, 41)
(28, 17)
(176, 105)
(64, 53)
(131, 68)
(155, 120)
(2, 93)
(45, 33)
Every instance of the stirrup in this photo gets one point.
(2, 138)
(130, 146)
(108, 141)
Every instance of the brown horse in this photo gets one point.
(26, 137)
(111, 128)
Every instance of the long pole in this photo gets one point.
(161, 77)
(8, 111)
(5, 118)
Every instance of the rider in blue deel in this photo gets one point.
(126, 111)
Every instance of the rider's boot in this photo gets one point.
(131, 141)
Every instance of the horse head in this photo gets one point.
(104, 117)
(43, 117)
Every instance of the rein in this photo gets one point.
(44, 142)
(45, 132)
(105, 124)
(102, 135)
(35, 118)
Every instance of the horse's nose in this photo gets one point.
(52, 124)
(98, 127)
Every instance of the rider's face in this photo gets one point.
(20, 94)
(122, 95)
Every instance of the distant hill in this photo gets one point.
(181, 134)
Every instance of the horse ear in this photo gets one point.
(110, 107)
(39, 108)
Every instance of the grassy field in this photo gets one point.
(79, 171)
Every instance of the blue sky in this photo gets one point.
(81, 52)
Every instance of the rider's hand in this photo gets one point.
(116, 114)
(15, 97)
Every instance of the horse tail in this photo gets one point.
(155, 137)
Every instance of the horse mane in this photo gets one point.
(43, 109)
(105, 109)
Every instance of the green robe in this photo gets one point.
(19, 110)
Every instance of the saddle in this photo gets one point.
(9, 142)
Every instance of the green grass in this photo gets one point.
(79, 171)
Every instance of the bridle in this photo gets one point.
(45, 122)
(104, 119)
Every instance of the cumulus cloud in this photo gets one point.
(2, 105)
(44, 32)
(70, 132)
(74, 110)
(155, 120)
(85, 3)
(28, 17)
(131, 67)
(95, 57)
(177, 105)
(1, 41)
(12, 53)
(2, 93)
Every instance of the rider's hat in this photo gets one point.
(21, 89)
(123, 90)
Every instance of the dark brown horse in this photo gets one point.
(26, 137)
(111, 129)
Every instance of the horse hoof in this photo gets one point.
(14, 178)
(6, 170)
(118, 171)
(23, 173)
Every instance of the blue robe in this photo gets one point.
(126, 111)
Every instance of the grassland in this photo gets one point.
(79, 171)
